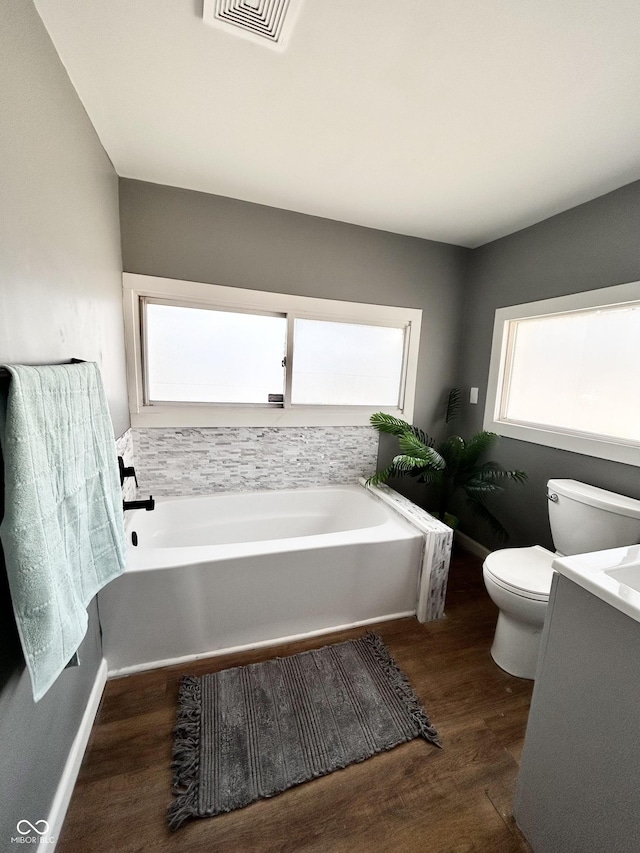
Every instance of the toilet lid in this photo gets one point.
(525, 569)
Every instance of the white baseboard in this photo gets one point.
(70, 773)
(471, 545)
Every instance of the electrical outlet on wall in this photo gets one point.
(473, 396)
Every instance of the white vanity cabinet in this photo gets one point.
(578, 789)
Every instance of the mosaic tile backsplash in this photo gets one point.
(124, 448)
(436, 555)
(205, 460)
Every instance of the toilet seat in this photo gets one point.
(522, 571)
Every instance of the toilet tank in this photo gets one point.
(584, 518)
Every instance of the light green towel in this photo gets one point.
(62, 531)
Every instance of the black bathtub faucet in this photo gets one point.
(147, 504)
(130, 471)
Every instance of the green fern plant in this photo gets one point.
(455, 465)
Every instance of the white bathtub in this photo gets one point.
(226, 572)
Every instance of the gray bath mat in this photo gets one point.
(251, 732)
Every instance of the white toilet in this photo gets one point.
(583, 518)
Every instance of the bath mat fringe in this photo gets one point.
(199, 796)
(186, 753)
(403, 688)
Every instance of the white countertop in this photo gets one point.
(612, 575)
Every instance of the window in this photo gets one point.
(346, 364)
(193, 355)
(565, 372)
(201, 354)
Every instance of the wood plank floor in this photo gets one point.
(413, 798)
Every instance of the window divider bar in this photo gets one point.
(288, 365)
(405, 361)
(144, 362)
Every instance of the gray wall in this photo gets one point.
(591, 246)
(60, 297)
(198, 237)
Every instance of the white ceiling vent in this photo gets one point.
(266, 22)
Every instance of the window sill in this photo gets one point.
(628, 454)
(209, 416)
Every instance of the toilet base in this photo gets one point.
(516, 646)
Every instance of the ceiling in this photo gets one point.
(457, 120)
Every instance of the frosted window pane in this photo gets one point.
(578, 372)
(201, 356)
(346, 364)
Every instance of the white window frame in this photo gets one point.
(137, 287)
(602, 447)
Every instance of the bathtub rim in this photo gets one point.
(142, 559)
